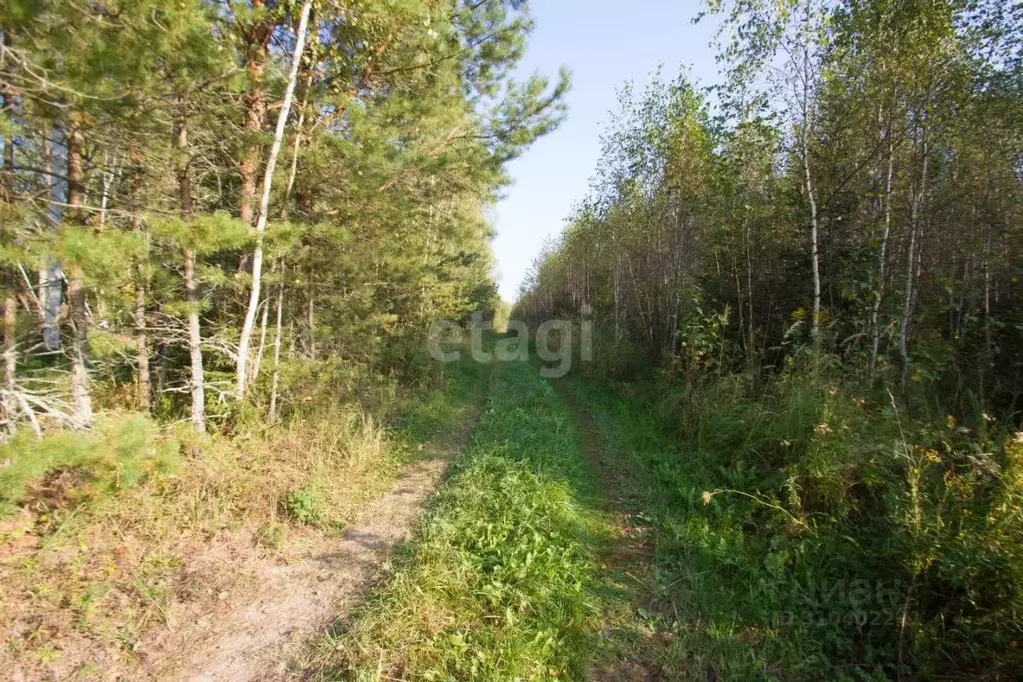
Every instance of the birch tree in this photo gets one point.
(264, 201)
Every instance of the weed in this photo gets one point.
(303, 506)
(807, 528)
(110, 532)
(271, 535)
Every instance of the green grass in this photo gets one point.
(740, 599)
(501, 582)
(108, 530)
(795, 522)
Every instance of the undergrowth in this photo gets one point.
(809, 528)
(106, 535)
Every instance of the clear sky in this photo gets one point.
(605, 43)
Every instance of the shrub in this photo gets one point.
(120, 453)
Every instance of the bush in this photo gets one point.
(72, 467)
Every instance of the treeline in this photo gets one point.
(859, 186)
(814, 289)
(196, 194)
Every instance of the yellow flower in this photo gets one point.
(706, 497)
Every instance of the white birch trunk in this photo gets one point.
(264, 205)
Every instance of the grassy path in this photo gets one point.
(142, 552)
(525, 567)
(498, 585)
(627, 644)
(260, 641)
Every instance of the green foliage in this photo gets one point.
(206, 234)
(121, 453)
(809, 515)
(156, 117)
(303, 506)
(824, 500)
(105, 256)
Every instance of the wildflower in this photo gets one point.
(822, 429)
(706, 497)
(785, 443)
(1019, 437)
(988, 418)
(950, 421)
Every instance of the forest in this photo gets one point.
(790, 446)
(812, 272)
(235, 218)
(197, 194)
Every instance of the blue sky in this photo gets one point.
(605, 43)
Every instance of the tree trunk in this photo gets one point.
(912, 264)
(293, 171)
(50, 276)
(81, 396)
(882, 257)
(143, 391)
(161, 368)
(277, 353)
(262, 341)
(191, 285)
(805, 104)
(617, 297)
(311, 315)
(749, 285)
(8, 402)
(255, 115)
(195, 344)
(10, 351)
(815, 328)
(989, 345)
(142, 344)
(264, 204)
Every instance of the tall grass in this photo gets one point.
(104, 534)
(809, 527)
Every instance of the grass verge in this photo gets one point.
(107, 536)
(808, 531)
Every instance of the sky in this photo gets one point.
(604, 43)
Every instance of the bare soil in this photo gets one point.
(260, 638)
